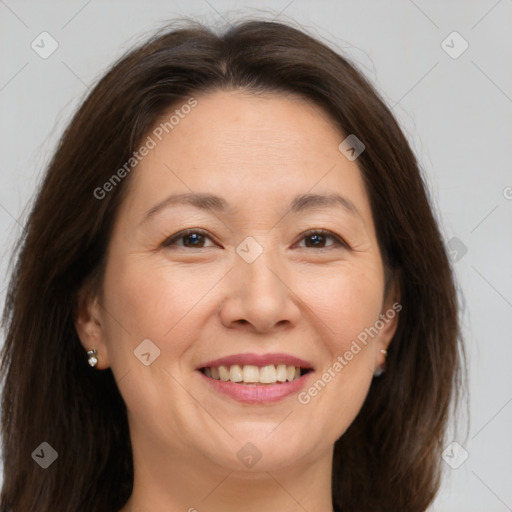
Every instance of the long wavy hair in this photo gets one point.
(389, 458)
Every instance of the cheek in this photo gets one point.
(346, 301)
(147, 300)
(151, 299)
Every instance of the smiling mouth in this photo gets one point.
(255, 375)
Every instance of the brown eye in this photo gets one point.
(191, 238)
(317, 239)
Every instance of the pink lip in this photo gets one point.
(254, 394)
(258, 360)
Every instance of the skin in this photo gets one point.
(201, 302)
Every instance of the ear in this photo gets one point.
(389, 317)
(88, 318)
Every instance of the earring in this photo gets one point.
(379, 371)
(92, 357)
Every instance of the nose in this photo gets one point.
(260, 296)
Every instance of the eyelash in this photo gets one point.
(329, 234)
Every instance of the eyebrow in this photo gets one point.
(210, 202)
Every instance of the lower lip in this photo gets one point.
(253, 394)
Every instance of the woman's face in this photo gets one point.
(247, 281)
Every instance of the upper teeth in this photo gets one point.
(250, 373)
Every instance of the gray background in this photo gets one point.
(456, 112)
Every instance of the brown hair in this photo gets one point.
(389, 458)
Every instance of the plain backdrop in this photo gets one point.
(453, 103)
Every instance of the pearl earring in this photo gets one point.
(92, 357)
(379, 371)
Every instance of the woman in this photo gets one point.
(231, 292)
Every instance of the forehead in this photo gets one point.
(253, 129)
(252, 149)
